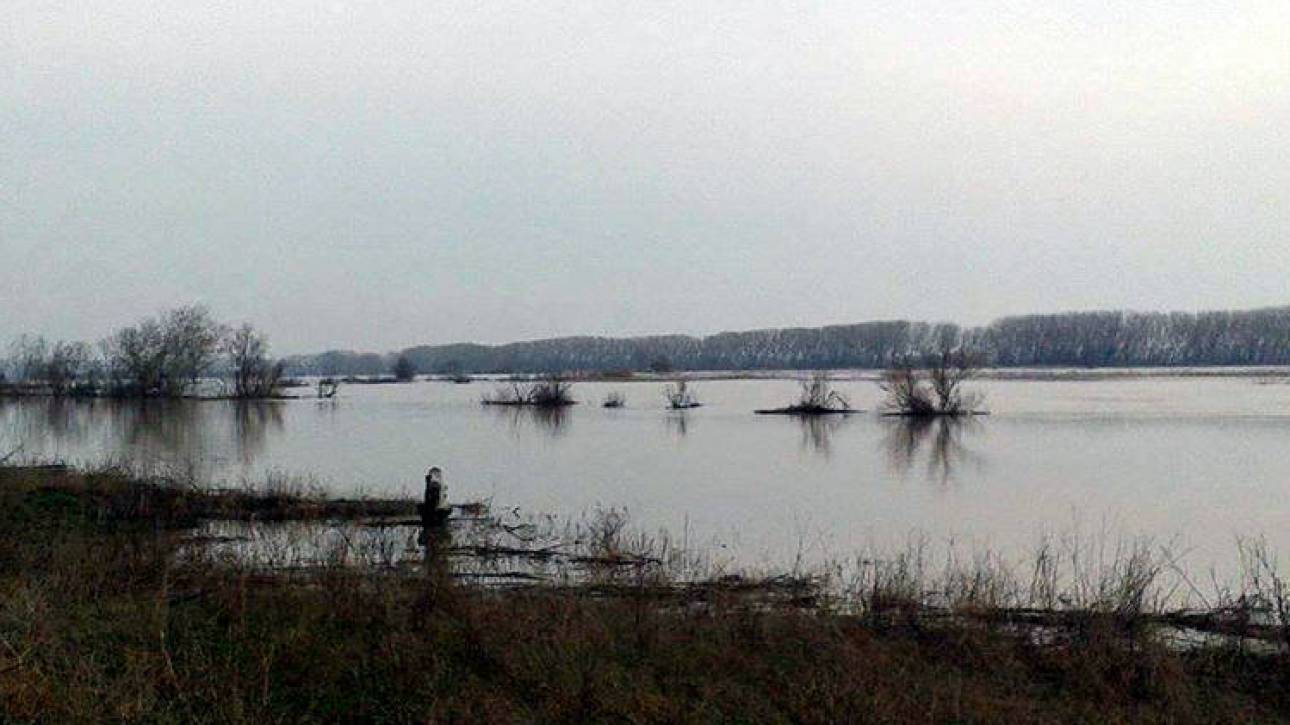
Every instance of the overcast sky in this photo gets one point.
(376, 174)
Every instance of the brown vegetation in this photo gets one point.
(104, 617)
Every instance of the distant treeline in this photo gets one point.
(1084, 339)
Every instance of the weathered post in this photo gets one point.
(434, 493)
(434, 531)
(433, 514)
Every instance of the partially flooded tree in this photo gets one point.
(27, 357)
(933, 389)
(59, 368)
(68, 367)
(680, 396)
(328, 388)
(817, 397)
(254, 374)
(163, 356)
(192, 339)
(549, 391)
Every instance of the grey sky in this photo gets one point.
(375, 174)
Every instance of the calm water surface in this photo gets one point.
(1199, 461)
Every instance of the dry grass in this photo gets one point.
(101, 617)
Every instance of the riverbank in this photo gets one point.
(108, 612)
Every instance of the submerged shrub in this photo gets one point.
(680, 396)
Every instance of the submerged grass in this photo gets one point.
(103, 616)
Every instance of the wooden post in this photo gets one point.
(434, 492)
(434, 515)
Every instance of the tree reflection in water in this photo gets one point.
(165, 432)
(253, 420)
(551, 420)
(817, 432)
(937, 439)
(169, 433)
(678, 422)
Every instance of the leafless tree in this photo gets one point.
(549, 391)
(255, 375)
(817, 397)
(163, 356)
(935, 388)
(58, 368)
(192, 339)
(818, 394)
(680, 396)
(328, 388)
(27, 356)
(67, 365)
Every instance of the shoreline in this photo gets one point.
(1268, 374)
(109, 609)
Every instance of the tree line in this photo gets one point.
(1081, 339)
(169, 355)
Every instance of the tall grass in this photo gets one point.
(103, 616)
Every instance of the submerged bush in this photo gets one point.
(817, 396)
(550, 391)
(680, 396)
(935, 388)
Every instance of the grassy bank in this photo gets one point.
(104, 616)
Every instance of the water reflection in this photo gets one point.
(936, 442)
(677, 423)
(817, 432)
(252, 422)
(553, 421)
(68, 421)
(162, 430)
(184, 433)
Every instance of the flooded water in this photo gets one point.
(1193, 461)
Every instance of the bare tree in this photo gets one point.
(328, 388)
(58, 368)
(163, 356)
(936, 388)
(254, 374)
(192, 340)
(680, 396)
(817, 397)
(68, 363)
(135, 359)
(28, 354)
(549, 391)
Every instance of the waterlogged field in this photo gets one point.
(1193, 463)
